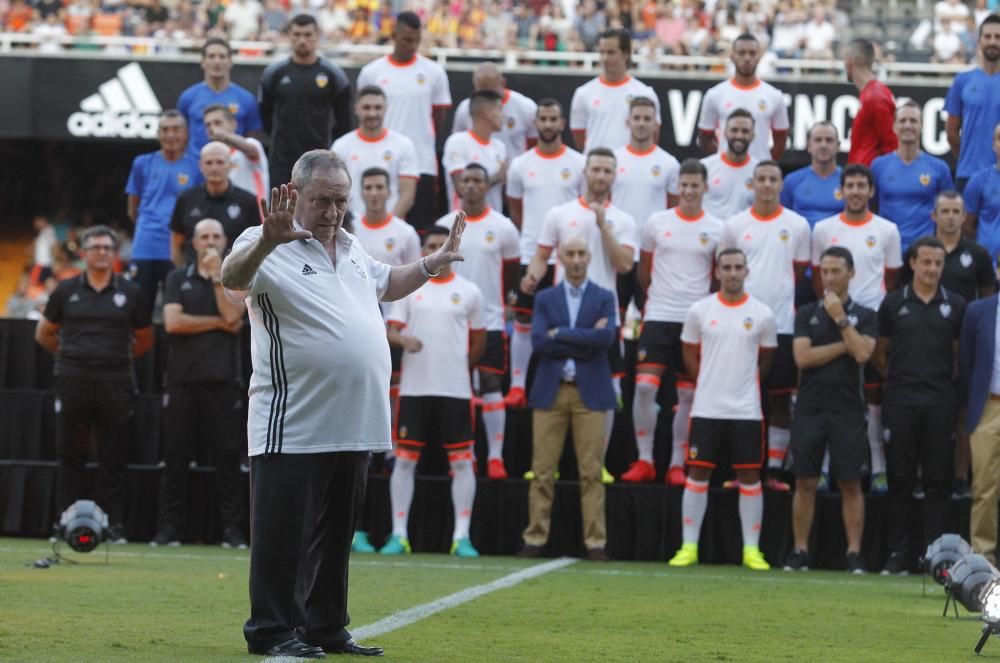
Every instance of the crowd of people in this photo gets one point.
(806, 326)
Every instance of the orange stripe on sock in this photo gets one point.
(406, 454)
(685, 384)
(751, 491)
(522, 327)
(493, 407)
(647, 378)
(777, 454)
(695, 487)
(454, 456)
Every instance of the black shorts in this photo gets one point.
(783, 378)
(396, 354)
(628, 289)
(872, 377)
(843, 433)
(436, 420)
(525, 304)
(710, 439)
(660, 345)
(615, 359)
(494, 359)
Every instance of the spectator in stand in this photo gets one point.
(947, 43)
(788, 31)
(18, 18)
(498, 29)
(518, 132)
(955, 12)
(274, 17)
(871, 130)
(982, 203)
(50, 30)
(819, 35)
(42, 249)
(589, 25)
(247, 158)
(242, 18)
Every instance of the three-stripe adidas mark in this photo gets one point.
(123, 107)
(279, 379)
(308, 271)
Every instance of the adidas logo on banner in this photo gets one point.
(308, 271)
(124, 107)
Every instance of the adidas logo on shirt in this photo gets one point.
(123, 107)
(308, 271)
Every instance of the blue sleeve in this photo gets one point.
(946, 183)
(596, 339)
(974, 194)
(184, 103)
(953, 100)
(251, 120)
(136, 176)
(542, 343)
(787, 193)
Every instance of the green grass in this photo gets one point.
(188, 604)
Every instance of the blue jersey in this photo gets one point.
(240, 101)
(814, 197)
(906, 193)
(982, 197)
(157, 182)
(975, 97)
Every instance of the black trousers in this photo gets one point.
(102, 407)
(199, 415)
(919, 437)
(303, 511)
(427, 207)
(150, 274)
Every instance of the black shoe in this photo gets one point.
(798, 560)
(232, 537)
(293, 648)
(960, 490)
(166, 537)
(116, 534)
(352, 647)
(597, 555)
(855, 564)
(530, 552)
(896, 566)
(918, 490)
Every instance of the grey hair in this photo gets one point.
(316, 161)
(98, 231)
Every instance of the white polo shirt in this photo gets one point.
(518, 121)
(320, 356)
(391, 151)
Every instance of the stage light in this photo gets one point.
(83, 526)
(942, 554)
(966, 580)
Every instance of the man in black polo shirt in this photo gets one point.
(204, 384)
(95, 325)
(916, 352)
(834, 339)
(217, 199)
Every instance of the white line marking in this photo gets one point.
(406, 617)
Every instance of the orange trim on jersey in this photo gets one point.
(476, 138)
(506, 95)
(736, 304)
(704, 463)
(479, 217)
(443, 279)
(375, 226)
(696, 487)
(689, 219)
(752, 86)
(638, 153)
(584, 204)
(459, 445)
(413, 443)
(604, 81)
(771, 217)
(843, 217)
(543, 155)
(385, 132)
(396, 63)
(734, 164)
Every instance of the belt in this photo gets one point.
(995, 397)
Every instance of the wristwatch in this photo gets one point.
(844, 323)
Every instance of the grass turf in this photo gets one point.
(188, 604)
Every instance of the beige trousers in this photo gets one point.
(985, 444)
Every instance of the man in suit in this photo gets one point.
(574, 325)
(977, 364)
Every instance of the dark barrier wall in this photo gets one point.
(118, 99)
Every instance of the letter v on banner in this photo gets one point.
(684, 114)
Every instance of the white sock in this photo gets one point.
(693, 507)
(826, 463)
(401, 494)
(682, 417)
(751, 512)
(875, 439)
(494, 421)
(777, 443)
(520, 354)
(463, 494)
(644, 414)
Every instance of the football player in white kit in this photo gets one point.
(518, 133)
(480, 144)
(730, 173)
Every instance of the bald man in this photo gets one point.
(518, 133)
(216, 198)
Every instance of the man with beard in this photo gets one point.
(730, 173)
(871, 130)
(973, 106)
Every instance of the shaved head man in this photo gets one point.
(518, 132)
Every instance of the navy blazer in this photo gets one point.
(976, 348)
(588, 347)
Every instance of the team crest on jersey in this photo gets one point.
(656, 170)
(784, 235)
(234, 108)
(925, 178)
(390, 243)
(183, 178)
(703, 238)
(945, 309)
(966, 259)
(510, 123)
(870, 241)
(490, 236)
(387, 156)
(566, 174)
(838, 194)
(456, 298)
(641, 354)
(421, 79)
(749, 183)
(692, 452)
(762, 105)
(402, 432)
(629, 98)
(748, 323)
(322, 80)
(119, 299)
(233, 211)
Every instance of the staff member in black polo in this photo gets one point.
(204, 386)
(95, 325)
(916, 353)
(217, 199)
(834, 338)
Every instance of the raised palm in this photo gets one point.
(278, 226)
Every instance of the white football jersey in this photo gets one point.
(462, 149)
(541, 182)
(412, 89)
(391, 151)
(764, 101)
(490, 240)
(773, 245)
(601, 108)
(730, 186)
(731, 336)
(252, 176)
(440, 313)
(518, 121)
(683, 251)
(643, 180)
(391, 240)
(875, 246)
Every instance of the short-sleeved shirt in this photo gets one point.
(731, 335)
(195, 99)
(601, 109)
(391, 151)
(518, 121)
(235, 209)
(814, 197)
(643, 180)
(982, 197)
(412, 89)
(321, 361)
(974, 96)
(683, 252)
(874, 245)
(157, 183)
(921, 367)
(906, 192)
(872, 132)
(441, 314)
(838, 385)
(967, 270)
(773, 245)
(253, 176)
(462, 149)
(764, 101)
(95, 328)
(489, 242)
(730, 186)
(543, 181)
(208, 356)
(391, 240)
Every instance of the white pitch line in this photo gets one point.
(406, 617)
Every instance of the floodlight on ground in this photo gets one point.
(83, 526)
(942, 554)
(989, 599)
(965, 582)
